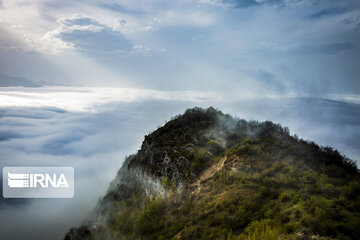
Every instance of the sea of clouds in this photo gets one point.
(93, 129)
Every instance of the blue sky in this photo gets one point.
(242, 46)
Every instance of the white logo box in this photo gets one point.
(38, 182)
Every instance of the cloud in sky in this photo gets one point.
(120, 8)
(243, 3)
(187, 45)
(328, 12)
(330, 7)
(332, 48)
(86, 34)
(310, 49)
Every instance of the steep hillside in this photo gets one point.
(207, 175)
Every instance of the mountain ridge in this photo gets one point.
(13, 81)
(207, 175)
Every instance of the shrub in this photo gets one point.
(150, 218)
(215, 147)
(265, 230)
(284, 197)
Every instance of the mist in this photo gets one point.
(96, 139)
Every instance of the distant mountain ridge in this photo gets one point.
(12, 81)
(207, 175)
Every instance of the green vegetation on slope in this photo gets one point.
(244, 180)
(265, 190)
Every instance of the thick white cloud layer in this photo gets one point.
(93, 130)
(87, 99)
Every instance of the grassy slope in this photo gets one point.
(267, 185)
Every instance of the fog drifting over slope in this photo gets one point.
(94, 129)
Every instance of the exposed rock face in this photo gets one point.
(145, 172)
(182, 162)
